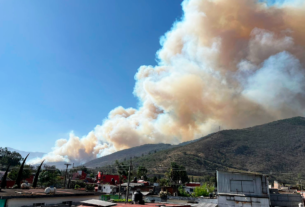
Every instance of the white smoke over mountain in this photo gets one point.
(232, 63)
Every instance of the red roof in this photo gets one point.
(192, 184)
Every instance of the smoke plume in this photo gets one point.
(234, 63)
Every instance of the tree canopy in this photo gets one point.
(177, 173)
(142, 172)
(8, 157)
(49, 177)
(26, 173)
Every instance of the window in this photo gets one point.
(247, 186)
(191, 190)
(235, 186)
(242, 186)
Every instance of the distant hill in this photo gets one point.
(276, 147)
(24, 153)
(126, 154)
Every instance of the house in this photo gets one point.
(110, 179)
(106, 188)
(242, 189)
(38, 197)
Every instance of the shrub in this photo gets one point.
(120, 200)
(89, 187)
(203, 190)
(182, 192)
(76, 186)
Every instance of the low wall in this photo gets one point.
(17, 202)
(199, 200)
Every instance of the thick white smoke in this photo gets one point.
(232, 63)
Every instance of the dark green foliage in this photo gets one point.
(20, 172)
(37, 175)
(155, 179)
(164, 182)
(9, 158)
(89, 187)
(50, 177)
(177, 173)
(26, 173)
(121, 168)
(142, 171)
(182, 192)
(120, 200)
(78, 184)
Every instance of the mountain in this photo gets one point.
(24, 153)
(274, 147)
(139, 151)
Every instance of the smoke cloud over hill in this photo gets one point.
(232, 63)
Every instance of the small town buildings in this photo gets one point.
(242, 189)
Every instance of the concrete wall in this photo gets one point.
(238, 201)
(20, 202)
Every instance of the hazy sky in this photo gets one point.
(65, 64)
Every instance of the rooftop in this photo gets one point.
(137, 205)
(39, 193)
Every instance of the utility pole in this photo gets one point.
(127, 193)
(66, 173)
(301, 189)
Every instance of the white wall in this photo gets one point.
(18, 202)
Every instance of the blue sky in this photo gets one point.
(65, 64)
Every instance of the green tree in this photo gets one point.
(155, 179)
(164, 182)
(8, 157)
(177, 173)
(142, 171)
(26, 173)
(50, 177)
